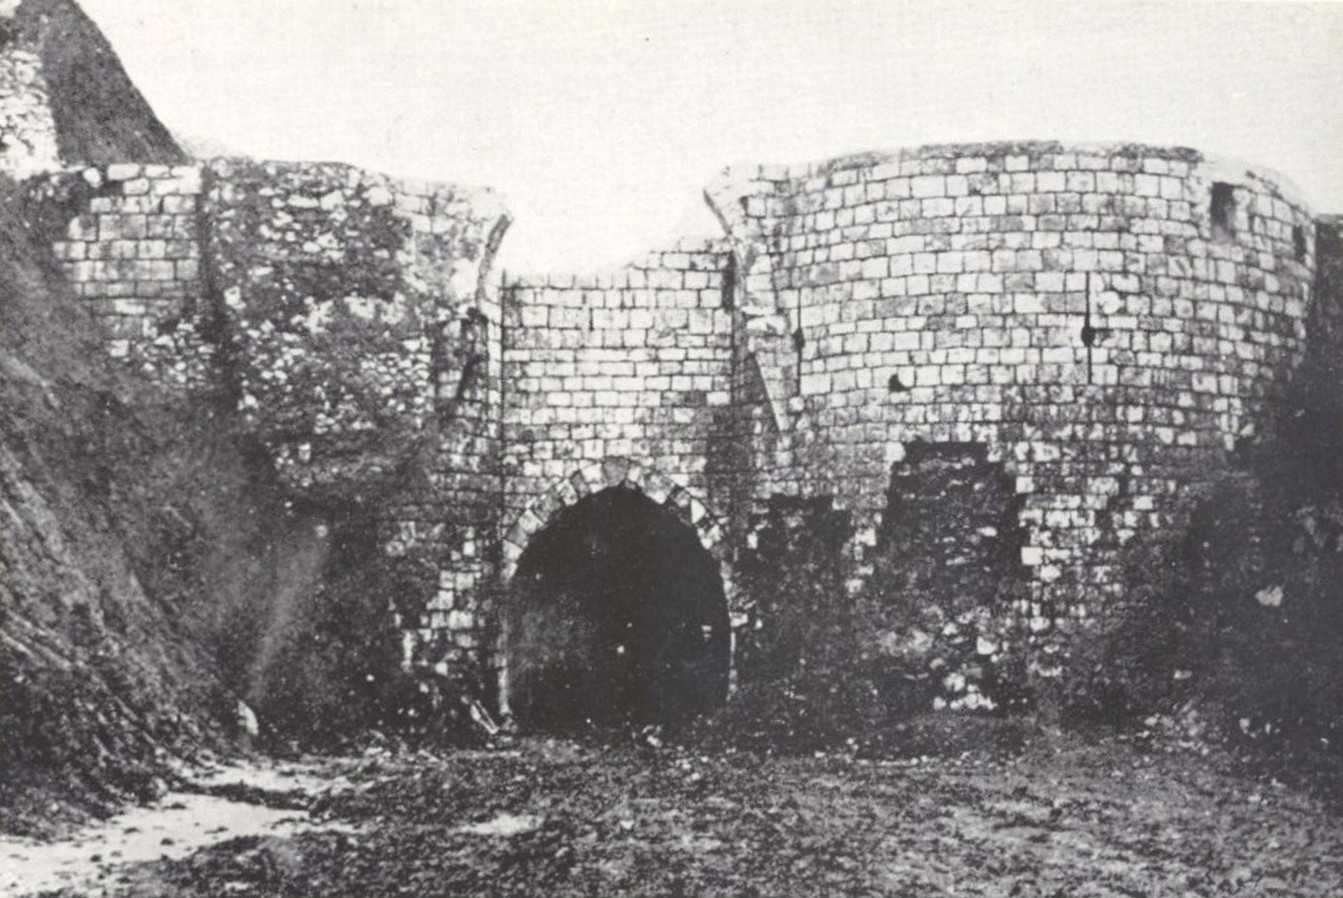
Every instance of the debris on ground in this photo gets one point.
(571, 817)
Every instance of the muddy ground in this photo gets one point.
(562, 817)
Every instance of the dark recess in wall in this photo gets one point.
(617, 616)
(1222, 211)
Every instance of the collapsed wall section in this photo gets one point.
(364, 341)
(1104, 320)
(344, 295)
(347, 316)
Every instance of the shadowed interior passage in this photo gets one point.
(617, 617)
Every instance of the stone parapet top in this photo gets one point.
(679, 256)
(738, 181)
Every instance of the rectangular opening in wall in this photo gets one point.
(1299, 245)
(1222, 212)
(729, 281)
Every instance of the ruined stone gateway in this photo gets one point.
(963, 376)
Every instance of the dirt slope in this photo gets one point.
(152, 573)
(120, 513)
(100, 115)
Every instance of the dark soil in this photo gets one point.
(553, 817)
(129, 523)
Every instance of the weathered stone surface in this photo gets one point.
(1070, 308)
(1101, 324)
(345, 316)
(65, 99)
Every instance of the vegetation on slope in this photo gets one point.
(153, 574)
(1233, 627)
(100, 115)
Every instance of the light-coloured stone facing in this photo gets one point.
(27, 129)
(133, 253)
(1106, 322)
(634, 364)
(1082, 311)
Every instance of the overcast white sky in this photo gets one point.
(601, 122)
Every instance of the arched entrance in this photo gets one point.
(617, 615)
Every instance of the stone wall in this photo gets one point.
(630, 370)
(1069, 337)
(347, 317)
(619, 380)
(132, 249)
(1104, 320)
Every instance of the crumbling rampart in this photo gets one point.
(1057, 340)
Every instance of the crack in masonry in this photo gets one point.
(1088, 332)
(799, 343)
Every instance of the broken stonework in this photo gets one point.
(1063, 339)
(1071, 308)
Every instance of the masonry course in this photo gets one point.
(1073, 309)
(1094, 327)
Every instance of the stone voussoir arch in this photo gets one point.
(617, 471)
(591, 478)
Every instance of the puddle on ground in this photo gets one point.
(172, 827)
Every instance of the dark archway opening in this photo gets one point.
(617, 617)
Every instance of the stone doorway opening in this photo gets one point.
(617, 617)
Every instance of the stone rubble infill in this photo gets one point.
(89, 862)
